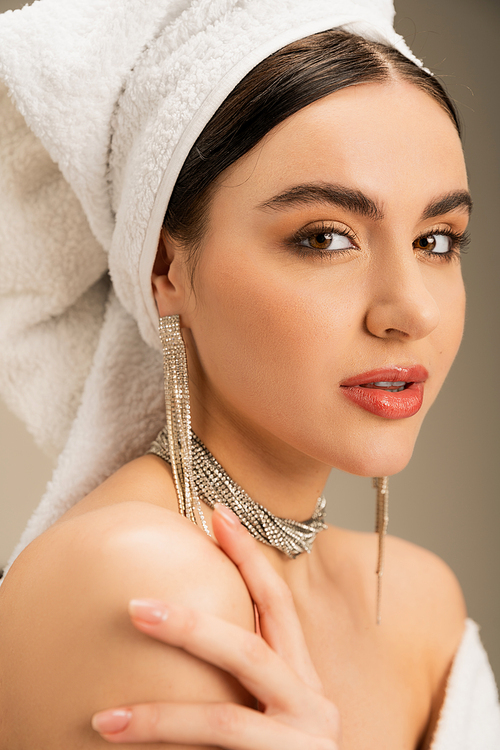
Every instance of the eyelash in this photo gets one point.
(459, 241)
(322, 228)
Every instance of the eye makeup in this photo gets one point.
(323, 239)
(457, 242)
(328, 239)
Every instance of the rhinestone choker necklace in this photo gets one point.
(216, 486)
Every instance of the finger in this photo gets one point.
(243, 654)
(224, 725)
(279, 623)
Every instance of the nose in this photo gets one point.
(402, 306)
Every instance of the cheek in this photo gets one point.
(249, 330)
(265, 336)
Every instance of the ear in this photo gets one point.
(169, 278)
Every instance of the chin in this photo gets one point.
(377, 468)
(377, 453)
(379, 460)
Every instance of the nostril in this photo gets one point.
(397, 332)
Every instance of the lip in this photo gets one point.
(388, 404)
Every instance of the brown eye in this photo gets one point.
(439, 244)
(327, 241)
(426, 243)
(320, 241)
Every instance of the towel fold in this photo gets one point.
(470, 716)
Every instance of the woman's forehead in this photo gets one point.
(380, 139)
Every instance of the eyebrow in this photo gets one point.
(357, 202)
(458, 200)
(335, 195)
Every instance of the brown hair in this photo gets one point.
(285, 82)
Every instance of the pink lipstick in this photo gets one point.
(390, 392)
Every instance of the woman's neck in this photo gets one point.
(274, 474)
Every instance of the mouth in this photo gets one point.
(392, 393)
(386, 386)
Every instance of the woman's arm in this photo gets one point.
(276, 668)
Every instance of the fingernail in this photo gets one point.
(227, 514)
(148, 610)
(114, 720)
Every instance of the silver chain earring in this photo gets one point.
(178, 421)
(381, 484)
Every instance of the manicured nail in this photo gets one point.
(227, 514)
(112, 721)
(148, 610)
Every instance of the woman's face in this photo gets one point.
(330, 264)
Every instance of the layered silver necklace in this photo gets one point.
(214, 485)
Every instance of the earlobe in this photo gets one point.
(166, 279)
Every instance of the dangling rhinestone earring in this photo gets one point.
(381, 484)
(178, 422)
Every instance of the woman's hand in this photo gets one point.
(275, 667)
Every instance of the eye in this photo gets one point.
(323, 239)
(434, 243)
(327, 241)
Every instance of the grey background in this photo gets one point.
(447, 498)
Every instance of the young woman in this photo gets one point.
(309, 264)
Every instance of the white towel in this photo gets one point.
(470, 716)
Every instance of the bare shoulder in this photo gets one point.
(418, 585)
(415, 578)
(427, 593)
(146, 479)
(423, 607)
(68, 648)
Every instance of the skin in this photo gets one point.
(271, 329)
